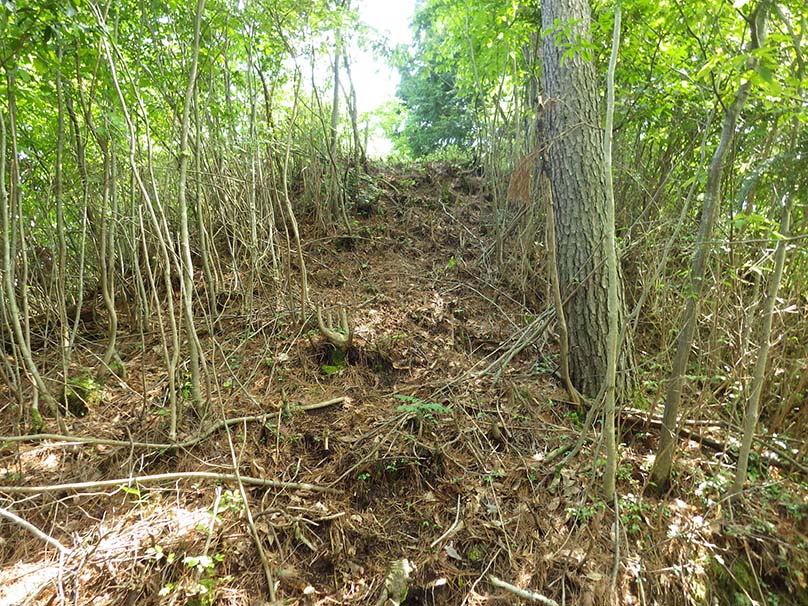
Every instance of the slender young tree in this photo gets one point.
(9, 207)
(661, 472)
(753, 406)
(185, 238)
(613, 337)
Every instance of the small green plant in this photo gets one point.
(135, 493)
(633, 511)
(79, 395)
(711, 488)
(585, 512)
(204, 590)
(364, 476)
(187, 389)
(420, 408)
(758, 467)
(116, 366)
(202, 563)
(157, 553)
(288, 410)
(332, 369)
(493, 476)
(575, 418)
(546, 364)
(624, 473)
(392, 469)
(232, 501)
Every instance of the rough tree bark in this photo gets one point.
(575, 163)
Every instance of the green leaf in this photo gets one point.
(766, 75)
(134, 491)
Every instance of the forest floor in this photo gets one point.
(415, 454)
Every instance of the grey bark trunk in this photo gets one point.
(574, 160)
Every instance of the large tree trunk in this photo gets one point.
(575, 163)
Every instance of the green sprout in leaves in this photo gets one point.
(420, 408)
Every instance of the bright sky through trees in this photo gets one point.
(375, 79)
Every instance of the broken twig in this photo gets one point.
(522, 593)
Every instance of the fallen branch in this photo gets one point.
(5, 513)
(55, 437)
(324, 404)
(642, 418)
(519, 342)
(788, 464)
(451, 528)
(522, 593)
(161, 477)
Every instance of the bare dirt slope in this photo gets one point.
(412, 455)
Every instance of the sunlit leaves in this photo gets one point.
(478, 55)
